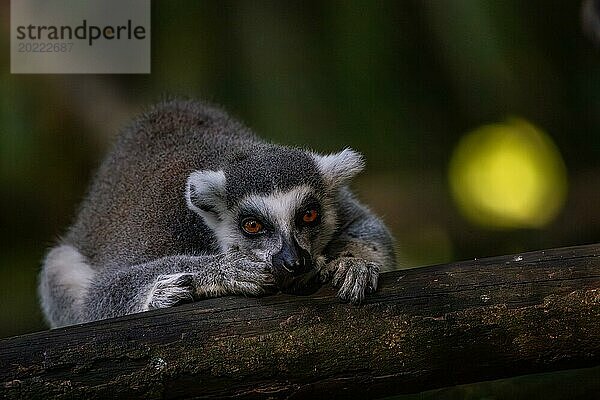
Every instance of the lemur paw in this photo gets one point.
(246, 275)
(353, 276)
(170, 290)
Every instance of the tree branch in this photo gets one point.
(425, 328)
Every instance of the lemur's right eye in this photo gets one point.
(252, 226)
(310, 216)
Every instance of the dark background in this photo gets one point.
(400, 81)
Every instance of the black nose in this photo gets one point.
(292, 258)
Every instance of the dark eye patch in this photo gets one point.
(310, 203)
(254, 213)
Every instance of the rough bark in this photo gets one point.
(425, 328)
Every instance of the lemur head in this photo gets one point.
(275, 202)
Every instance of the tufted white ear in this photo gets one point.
(205, 195)
(339, 168)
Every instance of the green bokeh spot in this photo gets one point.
(508, 175)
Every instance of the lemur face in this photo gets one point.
(276, 203)
(288, 228)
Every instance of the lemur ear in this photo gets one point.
(339, 168)
(205, 195)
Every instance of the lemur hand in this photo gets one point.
(353, 276)
(213, 276)
(240, 273)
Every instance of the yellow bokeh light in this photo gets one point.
(508, 175)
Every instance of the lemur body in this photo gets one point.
(190, 204)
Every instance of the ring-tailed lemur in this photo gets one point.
(190, 204)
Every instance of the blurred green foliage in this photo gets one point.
(401, 82)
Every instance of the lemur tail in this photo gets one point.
(63, 284)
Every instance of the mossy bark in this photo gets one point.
(425, 328)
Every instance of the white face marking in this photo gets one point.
(280, 206)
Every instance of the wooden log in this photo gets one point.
(425, 328)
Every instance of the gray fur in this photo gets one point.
(160, 224)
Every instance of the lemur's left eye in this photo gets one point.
(310, 216)
(252, 226)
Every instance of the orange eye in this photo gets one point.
(252, 226)
(310, 216)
